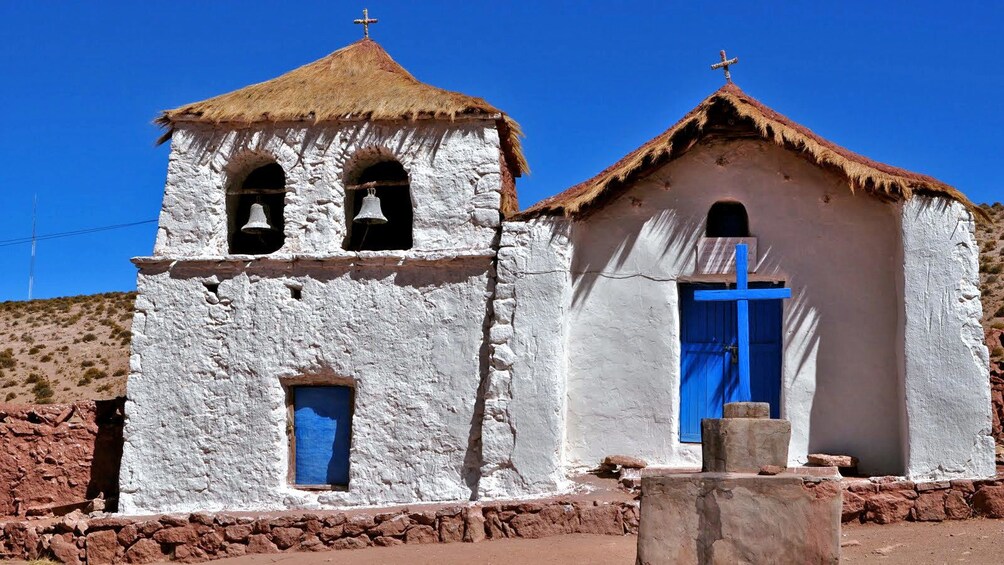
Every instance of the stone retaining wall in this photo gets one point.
(885, 502)
(198, 537)
(58, 455)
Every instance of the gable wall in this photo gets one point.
(841, 255)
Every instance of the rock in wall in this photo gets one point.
(59, 455)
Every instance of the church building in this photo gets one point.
(346, 306)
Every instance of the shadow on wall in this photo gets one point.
(841, 377)
(104, 479)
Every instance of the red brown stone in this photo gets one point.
(386, 541)
(358, 542)
(259, 543)
(888, 507)
(144, 551)
(624, 461)
(989, 502)
(853, 506)
(64, 549)
(329, 535)
(956, 507)
(177, 535)
(474, 525)
(392, 527)
(421, 534)
(451, 529)
(239, 533)
(930, 506)
(101, 547)
(285, 538)
(128, 534)
(602, 520)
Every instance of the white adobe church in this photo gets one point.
(345, 305)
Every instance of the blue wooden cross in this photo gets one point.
(742, 294)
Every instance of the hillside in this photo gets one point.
(991, 238)
(67, 349)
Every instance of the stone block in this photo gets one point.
(729, 518)
(746, 410)
(824, 460)
(743, 445)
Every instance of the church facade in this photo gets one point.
(345, 305)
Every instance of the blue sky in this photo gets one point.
(913, 84)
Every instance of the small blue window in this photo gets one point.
(322, 424)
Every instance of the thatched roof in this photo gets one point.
(358, 82)
(731, 112)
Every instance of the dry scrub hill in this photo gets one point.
(76, 348)
(991, 238)
(65, 349)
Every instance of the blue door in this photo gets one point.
(709, 373)
(322, 424)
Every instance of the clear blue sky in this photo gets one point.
(913, 84)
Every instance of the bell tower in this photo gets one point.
(315, 228)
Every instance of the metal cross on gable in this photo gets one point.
(742, 294)
(724, 64)
(366, 21)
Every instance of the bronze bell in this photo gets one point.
(370, 212)
(257, 220)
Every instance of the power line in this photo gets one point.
(25, 240)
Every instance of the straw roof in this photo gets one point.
(731, 112)
(358, 82)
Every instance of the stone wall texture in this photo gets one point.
(58, 454)
(197, 537)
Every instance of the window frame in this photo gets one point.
(289, 385)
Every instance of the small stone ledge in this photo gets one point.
(368, 258)
(200, 537)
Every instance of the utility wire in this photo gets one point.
(25, 240)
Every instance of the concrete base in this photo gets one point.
(730, 518)
(743, 445)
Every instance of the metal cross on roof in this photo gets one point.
(725, 65)
(366, 21)
(742, 294)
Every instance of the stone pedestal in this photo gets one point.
(745, 440)
(728, 513)
(736, 518)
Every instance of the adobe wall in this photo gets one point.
(454, 172)
(840, 254)
(59, 454)
(948, 400)
(525, 391)
(207, 415)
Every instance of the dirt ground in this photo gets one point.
(908, 543)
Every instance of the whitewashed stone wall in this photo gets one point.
(454, 170)
(839, 252)
(947, 364)
(207, 419)
(524, 416)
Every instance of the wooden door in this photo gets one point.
(709, 373)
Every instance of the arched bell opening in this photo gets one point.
(727, 218)
(378, 207)
(255, 212)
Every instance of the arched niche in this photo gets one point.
(727, 218)
(377, 174)
(256, 209)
